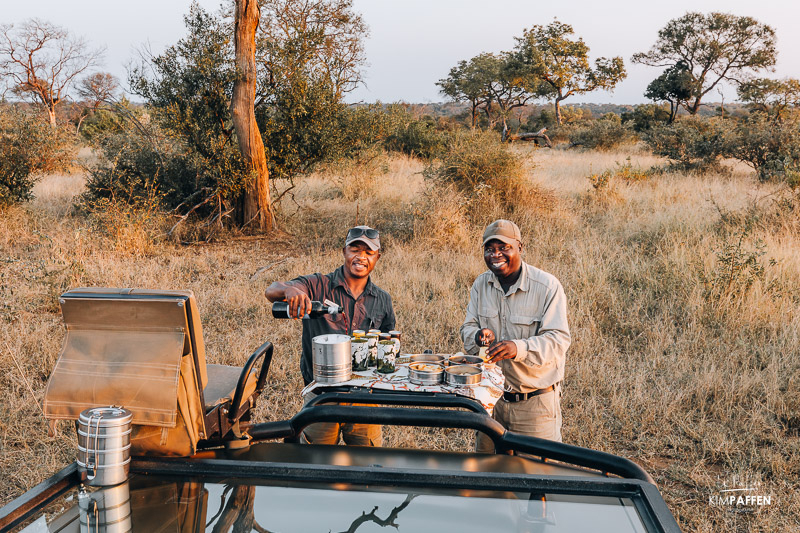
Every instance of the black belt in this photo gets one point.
(522, 396)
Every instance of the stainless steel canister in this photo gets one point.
(107, 509)
(104, 445)
(332, 358)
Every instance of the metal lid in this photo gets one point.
(331, 338)
(106, 416)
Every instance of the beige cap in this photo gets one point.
(365, 234)
(502, 230)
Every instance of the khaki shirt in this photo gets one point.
(533, 314)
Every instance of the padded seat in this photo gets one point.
(222, 381)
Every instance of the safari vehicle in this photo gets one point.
(258, 477)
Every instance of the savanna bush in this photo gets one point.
(625, 172)
(604, 133)
(645, 116)
(770, 145)
(421, 138)
(157, 172)
(478, 165)
(29, 148)
(691, 143)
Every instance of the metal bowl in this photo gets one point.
(436, 358)
(460, 375)
(473, 360)
(431, 375)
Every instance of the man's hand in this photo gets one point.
(299, 302)
(501, 350)
(484, 337)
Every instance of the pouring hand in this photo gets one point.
(484, 337)
(299, 302)
(501, 350)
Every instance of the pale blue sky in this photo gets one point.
(414, 43)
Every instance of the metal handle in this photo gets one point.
(89, 463)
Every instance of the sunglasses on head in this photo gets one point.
(355, 233)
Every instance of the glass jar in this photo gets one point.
(387, 353)
(359, 349)
(372, 341)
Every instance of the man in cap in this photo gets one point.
(365, 306)
(520, 313)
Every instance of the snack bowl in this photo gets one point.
(425, 373)
(461, 359)
(460, 375)
(436, 358)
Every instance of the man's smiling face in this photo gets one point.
(502, 258)
(359, 259)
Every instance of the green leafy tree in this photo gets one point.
(563, 63)
(773, 97)
(674, 86)
(310, 41)
(29, 148)
(714, 48)
(188, 90)
(468, 81)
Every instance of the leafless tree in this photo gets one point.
(97, 90)
(40, 61)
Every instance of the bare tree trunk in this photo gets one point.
(474, 113)
(558, 111)
(255, 209)
(51, 112)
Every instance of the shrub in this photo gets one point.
(738, 267)
(419, 138)
(624, 171)
(143, 169)
(645, 116)
(692, 143)
(603, 134)
(769, 145)
(477, 164)
(29, 147)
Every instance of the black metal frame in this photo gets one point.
(478, 419)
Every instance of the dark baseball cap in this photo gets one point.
(365, 234)
(502, 230)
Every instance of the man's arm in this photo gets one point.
(294, 292)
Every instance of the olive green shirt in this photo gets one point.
(533, 314)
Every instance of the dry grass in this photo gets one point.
(694, 388)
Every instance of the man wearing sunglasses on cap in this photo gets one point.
(365, 305)
(520, 313)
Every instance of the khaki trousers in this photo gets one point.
(539, 416)
(352, 434)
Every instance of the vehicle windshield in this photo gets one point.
(153, 503)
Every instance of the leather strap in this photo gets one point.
(522, 396)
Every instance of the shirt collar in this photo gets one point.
(521, 284)
(338, 281)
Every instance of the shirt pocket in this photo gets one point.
(376, 320)
(489, 318)
(524, 326)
